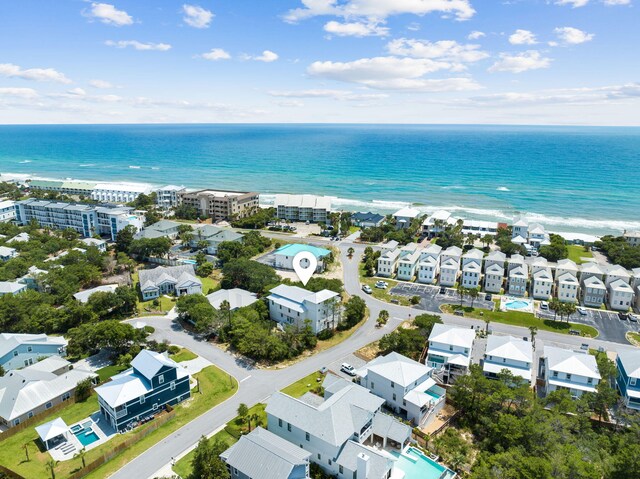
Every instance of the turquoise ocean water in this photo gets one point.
(569, 178)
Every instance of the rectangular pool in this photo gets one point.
(86, 436)
(416, 465)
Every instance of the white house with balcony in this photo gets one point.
(590, 269)
(291, 305)
(495, 257)
(515, 261)
(575, 371)
(520, 228)
(437, 222)
(449, 270)
(594, 292)
(538, 264)
(406, 386)
(471, 275)
(405, 216)
(538, 236)
(428, 270)
(408, 265)
(620, 297)
(615, 273)
(518, 279)
(450, 349)
(493, 278)
(566, 266)
(388, 263)
(506, 352)
(452, 252)
(431, 251)
(542, 284)
(567, 288)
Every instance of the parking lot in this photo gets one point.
(611, 327)
(431, 299)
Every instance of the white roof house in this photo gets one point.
(83, 296)
(11, 287)
(169, 280)
(616, 272)
(572, 370)
(290, 305)
(450, 348)
(407, 213)
(7, 253)
(507, 352)
(19, 238)
(566, 266)
(52, 430)
(397, 368)
(236, 297)
(590, 269)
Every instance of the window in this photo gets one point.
(307, 436)
(30, 415)
(394, 396)
(48, 405)
(589, 380)
(29, 348)
(373, 385)
(142, 399)
(173, 385)
(280, 422)
(319, 457)
(555, 374)
(392, 385)
(155, 406)
(289, 426)
(161, 379)
(16, 422)
(632, 381)
(340, 469)
(15, 353)
(568, 376)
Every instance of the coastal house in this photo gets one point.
(19, 238)
(538, 236)
(594, 292)
(517, 281)
(449, 270)
(160, 229)
(283, 256)
(452, 252)
(405, 216)
(520, 228)
(566, 266)
(7, 211)
(11, 287)
(340, 429)
(479, 227)
(539, 263)
(541, 284)
(7, 253)
(632, 237)
(27, 392)
(615, 273)
(236, 298)
(628, 380)
(367, 220)
(428, 269)
(20, 350)
(388, 263)
(436, 223)
(408, 263)
(506, 352)
(450, 350)
(119, 192)
(99, 244)
(310, 208)
(589, 270)
(291, 305)
(575, 371)
(83, 296)
(471, 274)
(406, 386)
(168, 196)
(389, 246)
(263, 455)
(567, 288)
(174, 280)
(620, 297)
(221, 205)
(493, 278)
(33, 278)
(495, 257)
(515, 261)
(213, 236)
(152, 382)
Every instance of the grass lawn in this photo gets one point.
(382, 294)
(108, 371)
(633, 338)
(209, 283)
(214, 383)
(183, 355)
(519, 318)
(166, 304)
(304, 385)
(230, 434)
(576, 252)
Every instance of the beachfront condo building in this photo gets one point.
(508, 353)
(67, 187)
(7, 210)
(620, 297)
(628, 380)
(567, 288)
(575, 371)
(542, 284)
(450, 350)
(518, 279)
(404, 217)
(493, 278)
(294, 306)
(221, 205)
(594, 292)
(168, 196)
(119, 192)
(310, 208)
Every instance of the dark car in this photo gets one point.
(488, 297)
(623, 316)
(443, 290)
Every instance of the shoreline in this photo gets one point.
(574, 225)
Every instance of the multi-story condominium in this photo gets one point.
(283, 256)
(590, 269)
(449, 270)
(27, 392)
(428, 269)
(408, 264)
(176, 280)
(303, 208)
(388, 263)
(566, 266)
(542, 284)
(495, 257)
(628, 380)
(538, 264)
(11, 287)
(214, 236)
(567, 288)
(367, 220)
(221, 205)
(575, 371)
(620, 297)
(405, 216)
(7, 210)
(119, 192)
(506, 352)
(406, 386)
(7, 253)
(263, 455)
(480, 227)
(515, 261)
(21, 350)
(493, 278)
(517, 281)
(340, 429)
(153, 382)
(161, 229)
(68, 187)
(168, 196)
(291, 305)
(471, 273)
(616, 273)
(632, 237)
(450, 349)
(594, 292)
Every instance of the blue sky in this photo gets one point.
(381, 61)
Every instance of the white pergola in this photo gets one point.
(52, 430)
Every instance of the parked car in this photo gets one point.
(584, 347)
(544, 305)
(488, 297)
(574, 332)
(443, 290)
(382, 284)
(324, 370)
(348, 369)
(633, 318)
(367, 289)
(458, 312)
(582, 311)
(623, 316)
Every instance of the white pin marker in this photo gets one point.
(305, 264)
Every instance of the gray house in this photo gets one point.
(214, 235)
(176, 280)
(21, 350)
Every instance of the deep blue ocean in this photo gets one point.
(568, 178)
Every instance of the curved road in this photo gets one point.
(256, 385)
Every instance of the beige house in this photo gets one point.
(221, 205)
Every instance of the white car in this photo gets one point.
(382, 284)
(367, 289)
(348, 369)
(582, 311)
(544, 305)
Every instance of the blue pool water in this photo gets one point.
(516, 304)
(86, 436)
(419, 466)
(436, 396)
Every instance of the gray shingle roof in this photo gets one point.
(152, 277)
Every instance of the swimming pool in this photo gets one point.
(517, 304)
(416, 465)
(86, 435)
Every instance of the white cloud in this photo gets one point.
(290, 104)
(522, 37)
(37, 74)
(413, 26)
(356, 29)
(448, 50)
(475, 35)
(161, 47)
(100, 84)
(196, 16)
(616, 2)
(392, 73)
(379, 9)
(325, 93)
(573, 3)
(216, 54)
(573, 36)
(520, 62)
(267, 56)
(26, 93)
(107, 13)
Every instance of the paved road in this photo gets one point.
(256, 385)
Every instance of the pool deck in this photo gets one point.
(506, 299)
(103, 429)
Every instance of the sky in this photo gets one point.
(536, 62)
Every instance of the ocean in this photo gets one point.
(579, 179)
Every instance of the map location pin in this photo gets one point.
(305, 264)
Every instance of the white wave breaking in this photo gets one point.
(502, 188)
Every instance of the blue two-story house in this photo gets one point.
(140, 392)
(628, 380)
(22, 350)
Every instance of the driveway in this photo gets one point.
(432, 299)
(607, 322)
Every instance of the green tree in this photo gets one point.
(383, 317)
(354, 311)
(83, 390)
(124, 238)
(249, 275)
(462, 292)
(473, 293)
(81, 454)
(206, 462)
(51, 465)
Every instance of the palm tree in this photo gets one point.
(51, 465)
(462, 291)
(486, 324)
(255, 417)
(243, 412)
(487, 240)
(569, 309)
(225, 307)
(473, 294)
(533, 330)
(383, 317)
(81, 453)
(350, 252)
(555, 304)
